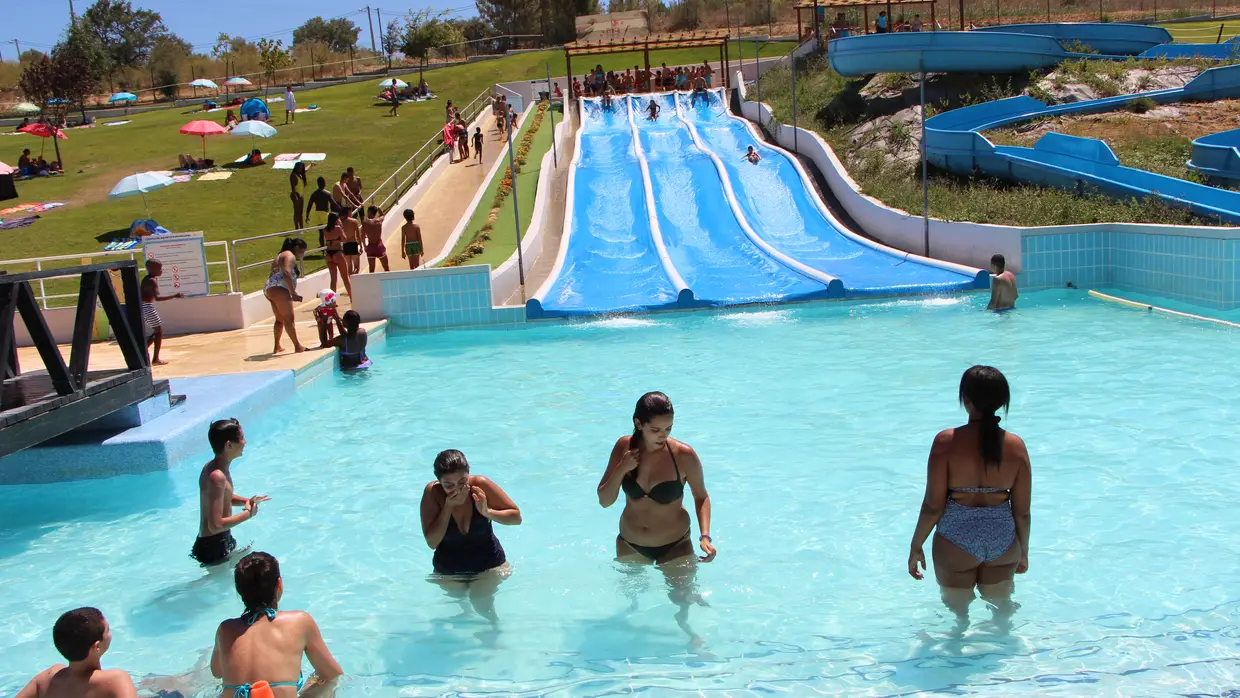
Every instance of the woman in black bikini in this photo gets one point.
(337, 264)
(457, 512)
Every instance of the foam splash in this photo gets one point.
(617, 323)
(759, 319)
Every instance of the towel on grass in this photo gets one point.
(117, 123)
(287, 156)
(31, 208)
(17, 223)
(214, 176)
(283, 164)
(245, 157)
(299, 110)
(314, 157)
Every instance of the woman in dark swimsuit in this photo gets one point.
(977, 501)
(457, 512)
(337, 264)
(652, 469)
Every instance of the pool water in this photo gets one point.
(813, 424)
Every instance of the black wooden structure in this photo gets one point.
(38, 405)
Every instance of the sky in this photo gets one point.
(39, 24)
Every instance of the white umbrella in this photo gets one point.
(393, 82)
(254, 128)
(5, 169)
(203, 82)
(140, 184)
(237, 81)
(27, 108)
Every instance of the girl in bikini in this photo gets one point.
(337, 264)
(259, 653)
(281, 290)
(977, 500)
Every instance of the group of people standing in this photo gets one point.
(977, 497)
(599, 83)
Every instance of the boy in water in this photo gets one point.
(478, 143)
(82, 636)
(215, 542)
(150, 316)
(1002, 285)
(372, 228)
(411, 239)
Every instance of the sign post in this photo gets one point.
(184, 256)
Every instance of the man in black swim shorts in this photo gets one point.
(215, 542)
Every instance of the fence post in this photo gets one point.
(234, 277)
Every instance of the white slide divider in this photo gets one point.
(839, 226)
(814, 274)
(655, 233)
(567, 233)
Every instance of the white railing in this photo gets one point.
(47, 263)
(391, 189)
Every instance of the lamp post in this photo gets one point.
(516, 215)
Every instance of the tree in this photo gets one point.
(127, 35)
(426, 29)
(391, 40)
(40, 84)
(273, 57)
(511, 16)
(167, 56)
(338, 35)
(78, 62)
(31, 55)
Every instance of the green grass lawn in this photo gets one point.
(1202, 32)
(348, 128)
(503, 240)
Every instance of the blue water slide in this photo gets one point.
(608, 259)
(703, 234)
(1011, 48)
(777, 199)
(1217, 155)
(954, 142)
(1109, 38)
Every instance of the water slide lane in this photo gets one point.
(608, 259)
(704, 239)
(782, 209)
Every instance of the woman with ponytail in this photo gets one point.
(259, 654)
(977, 495)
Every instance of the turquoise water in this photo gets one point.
(813, 424)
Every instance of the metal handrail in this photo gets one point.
(43, 296)
(423, 155)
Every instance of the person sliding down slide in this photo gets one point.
(653, 108)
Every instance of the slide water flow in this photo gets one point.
(784, 211)
(608, 261)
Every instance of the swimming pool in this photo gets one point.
(813, 423)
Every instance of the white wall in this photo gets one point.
(180, 316)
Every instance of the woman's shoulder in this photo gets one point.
(680, 448)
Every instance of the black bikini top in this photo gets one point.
(668, 492)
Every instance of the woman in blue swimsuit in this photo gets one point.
(458, 510)
(977, 500)
(263, 648)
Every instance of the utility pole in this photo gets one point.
(372, 29)
(72, 14)
(19, 51)
(372, 36)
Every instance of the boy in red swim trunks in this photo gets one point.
(372, 228)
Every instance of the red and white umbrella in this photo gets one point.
(43, 131)
(203, 128)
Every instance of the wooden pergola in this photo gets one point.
(648, 43)
(817, 6)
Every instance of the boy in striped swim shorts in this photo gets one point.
(150, 316)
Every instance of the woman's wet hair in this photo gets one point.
(450, 462)
(77, 631)
(985, 388)
(256, 577)
(352, 320)
(649, 406)
(293, 244)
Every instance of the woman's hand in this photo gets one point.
(628, 462)
(480, 499)
(1023, 566)
(458, 497)
(708, 547)
(916, 558)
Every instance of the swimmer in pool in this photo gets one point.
(1002, 285)
(351, 343)
(215, 542)
(82, 636)
(264, 646)
(458, 510)
(752, 156)
(653, 109)
(977, 501)
(652, 469)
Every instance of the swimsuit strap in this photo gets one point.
(673, 457)
(985, 490)
(251, 617)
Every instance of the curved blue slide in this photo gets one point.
(954, 142)
(1012, 48)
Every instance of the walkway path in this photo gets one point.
(448, 198)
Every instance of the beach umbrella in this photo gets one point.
(203, 129)
(43, 131)
(27, 108)
(237, 81)
(393, 82)
(203, 82)
(123, 97)
(57, 100)
(5, 169)
(140, 184)
(254, 129)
